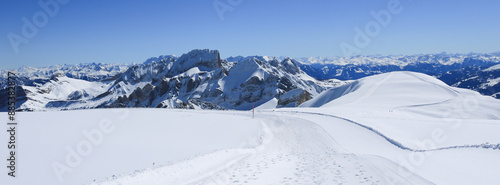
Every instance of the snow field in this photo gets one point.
(139, 139)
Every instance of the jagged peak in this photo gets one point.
(159, 58)
(57, 75)
(204, 59)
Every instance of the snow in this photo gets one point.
(394, 102)
(416, 112)
(395, 128)
(271, 104)
(64, 86)
(490, 83)
(493, 68)
(241, 72)
(140, 138)
(189, 72)
(331, 94)
(390, 89)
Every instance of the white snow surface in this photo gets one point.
(493, 68)
(271, 104)
(395, 128)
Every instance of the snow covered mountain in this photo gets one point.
(483, 79)
(36, 76)
(351, 68)
(400, 60)
(444, 66)
(199, 79)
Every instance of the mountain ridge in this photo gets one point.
(201, 79)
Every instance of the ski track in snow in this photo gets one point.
(393, 141)
(293, 151)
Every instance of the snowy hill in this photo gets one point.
(407, 95)
(393, 89)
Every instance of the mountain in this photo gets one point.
(351, 68)
(459, 70)
(399, 60)
(36, 76)
(199, 79)
(483, 79)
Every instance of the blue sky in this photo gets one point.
(112, 31)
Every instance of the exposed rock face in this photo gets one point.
(225, 85)
(304, 97)
(204, 60)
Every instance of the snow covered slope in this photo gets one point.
(418, 113)
(132, 139)
(390, 89)
(406, 91)
(395, 128)
(413, 99)
(62, 91)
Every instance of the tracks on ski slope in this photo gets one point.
(302, 152)
(393, 141)
(293, 151)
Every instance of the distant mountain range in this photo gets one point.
(472, 71)
(33, 76)
(200, 79)
(349, 68)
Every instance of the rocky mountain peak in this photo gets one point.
(204, 59)
(57, 75)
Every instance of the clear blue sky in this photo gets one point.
(126, 31)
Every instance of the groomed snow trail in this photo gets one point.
(301, 152)
(293, 151)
